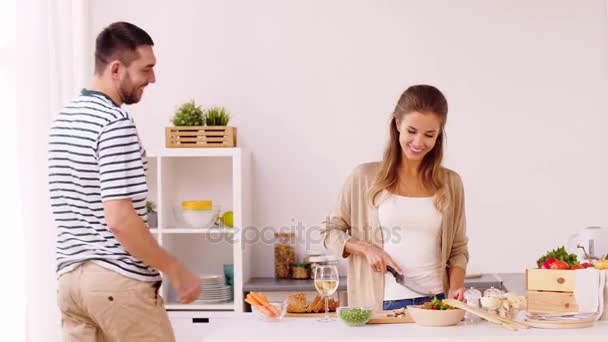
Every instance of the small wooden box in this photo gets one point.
(550, 291)
(550, 280)
(200, 136)
(548, 302)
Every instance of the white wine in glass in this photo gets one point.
(326, 283)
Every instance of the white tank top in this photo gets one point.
(412, 237)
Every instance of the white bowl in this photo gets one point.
(200, 218)
(435, 318)
(281, 307)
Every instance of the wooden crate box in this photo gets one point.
(200, 136)
(550, 291)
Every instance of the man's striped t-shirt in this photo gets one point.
(94, 156)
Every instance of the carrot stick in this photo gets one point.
(252, 299)
(258, 299)
(274, 310)
(267, 304)
(266, 311)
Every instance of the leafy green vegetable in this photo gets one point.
(436, 304)
(561, 254)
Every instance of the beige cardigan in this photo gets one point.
(354, 218)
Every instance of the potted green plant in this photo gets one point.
(152, 214)
(216, 116)
(188, 114)
(197, 128)
(187, 120)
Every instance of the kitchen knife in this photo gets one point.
(409, 283)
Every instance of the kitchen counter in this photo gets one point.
(243, 327)
(514, 282)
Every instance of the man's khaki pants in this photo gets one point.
(98, 304)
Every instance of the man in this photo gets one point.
(107, 260)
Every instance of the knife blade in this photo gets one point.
(408, 283)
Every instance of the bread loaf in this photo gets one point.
(296, 303)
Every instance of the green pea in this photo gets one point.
(355, 317)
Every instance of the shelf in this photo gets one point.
(195, 230)
(229, 306)
(198, 152)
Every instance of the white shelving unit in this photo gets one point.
(218, 174)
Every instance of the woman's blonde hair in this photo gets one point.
(423, 99)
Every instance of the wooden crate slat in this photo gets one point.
(199, 134)
(215, 139)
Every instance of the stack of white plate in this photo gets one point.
(213, 290)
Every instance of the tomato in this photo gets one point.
(559, 265)
(547, 263)
(586, 265)
(577, 267)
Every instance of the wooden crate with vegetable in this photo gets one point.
(550, 287)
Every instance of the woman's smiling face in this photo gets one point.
(418, 134)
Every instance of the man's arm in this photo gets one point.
(133, 234)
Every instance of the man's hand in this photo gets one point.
(186, 283)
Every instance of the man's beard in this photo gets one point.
(128, 93)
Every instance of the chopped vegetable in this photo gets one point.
(436, 304)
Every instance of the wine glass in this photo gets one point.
(326, 283)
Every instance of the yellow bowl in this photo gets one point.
(197, 205)
(435, 318)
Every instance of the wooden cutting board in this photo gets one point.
(559, 325)
(377, 317)
(381, 318)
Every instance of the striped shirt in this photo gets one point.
(94, 156)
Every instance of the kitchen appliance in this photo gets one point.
(593, 239)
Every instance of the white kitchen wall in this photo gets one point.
(311, 85)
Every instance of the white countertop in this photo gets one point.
(246, 327)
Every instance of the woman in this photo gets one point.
(406, 211)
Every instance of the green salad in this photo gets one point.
(436, 304)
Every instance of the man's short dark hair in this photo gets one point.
(119, 41)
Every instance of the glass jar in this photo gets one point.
(300, 271)
(492, 292)
(321, 260)
(284, 254)
(307, 258)
(472, 297)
